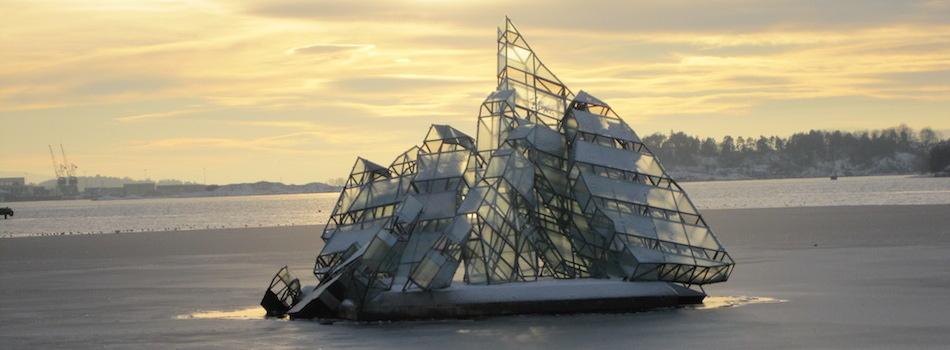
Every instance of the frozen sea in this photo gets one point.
(855, 277)
(858, 263)
(170, 214)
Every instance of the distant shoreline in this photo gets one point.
(907, 210)
(219, 195)
(180, 213)
(211, 194)
(137, 232)
(201, 195)
(921, 224)
(167, 197)
(840, 176)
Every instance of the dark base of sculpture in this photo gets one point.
(272, 305)
(475, 301)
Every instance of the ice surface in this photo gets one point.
(127, 291)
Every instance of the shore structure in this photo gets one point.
(556, 206)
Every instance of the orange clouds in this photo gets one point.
(287, 81)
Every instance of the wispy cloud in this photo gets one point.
(298, 142)
(329, 48)
(281, 144)
(160, 115)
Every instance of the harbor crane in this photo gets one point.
(66, 181)
(57, 168)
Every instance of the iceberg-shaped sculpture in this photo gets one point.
(555, 206)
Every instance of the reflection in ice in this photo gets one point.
(252, 313)
(257, 313)
(734, 301)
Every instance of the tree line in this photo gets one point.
(897, 150)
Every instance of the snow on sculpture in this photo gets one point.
(556, 192)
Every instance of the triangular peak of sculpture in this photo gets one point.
(556, 200)
(539, 93)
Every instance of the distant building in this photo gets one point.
(99, 192)
(12, 182)
(68, 186)
(39, 192)
(139, 189)
(16, 189)
(172, 190)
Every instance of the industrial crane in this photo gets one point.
(57, 168)
(66, 181)
(68, 167)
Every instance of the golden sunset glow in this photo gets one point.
(295, 90)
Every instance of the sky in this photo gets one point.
(294, 91)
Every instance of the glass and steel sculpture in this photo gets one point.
(555, 187)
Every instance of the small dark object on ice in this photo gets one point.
(6, 212)
(283, 293)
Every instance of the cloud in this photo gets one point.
(288, 143)
(193, 142)
(329, 49)
(919, 78)
(404, 83)
(314, 133)
(278, 79)
(369, 11)
(624, 16)
(291, 124)
(122, 86)
(305, 142)
(158, 115)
